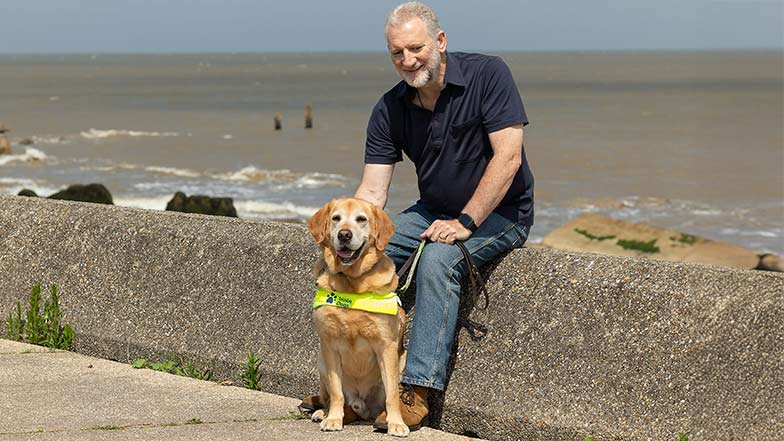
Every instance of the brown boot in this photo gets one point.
(311, 404)
(413, 408)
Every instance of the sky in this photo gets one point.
(166, 26)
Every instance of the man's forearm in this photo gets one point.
(374, 197)
(492, 187)
(375, 183)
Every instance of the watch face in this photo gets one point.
(467, 221)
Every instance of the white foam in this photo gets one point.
(272, 210)
(253, 174)
(150, 203)
(36, 186)
(173, 171)
(30, 155)
(320, 180)
(50, 139)
(103, 134)
(107, 168)
(706, 212)
(16, 181)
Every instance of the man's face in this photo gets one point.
(414, 52)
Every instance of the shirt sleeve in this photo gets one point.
(502, 106)
(380, 147)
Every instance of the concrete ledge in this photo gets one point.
(579, 344)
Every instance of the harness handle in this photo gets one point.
(412, 263)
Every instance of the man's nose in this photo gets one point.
(344, 235)
(409, 59)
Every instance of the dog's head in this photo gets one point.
(348, 230)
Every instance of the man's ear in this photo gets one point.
(384, 228)
(318, 224)
(441, 41)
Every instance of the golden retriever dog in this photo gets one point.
(361, 352)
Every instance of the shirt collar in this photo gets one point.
(453, 75)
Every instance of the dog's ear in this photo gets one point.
(318, 224)
(384, 228)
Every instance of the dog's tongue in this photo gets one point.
(345, 253)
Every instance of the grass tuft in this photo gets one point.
(37, 327)
(252, 376)
(173, 367)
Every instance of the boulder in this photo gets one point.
(202, 205)
(597, 233)
(95, 193)
(771, 262)
(26, 141)
(27, 192)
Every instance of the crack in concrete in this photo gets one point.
(109, 427)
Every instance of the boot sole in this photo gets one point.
(383, 426)
(308, 408)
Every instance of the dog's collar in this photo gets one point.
(371, 302)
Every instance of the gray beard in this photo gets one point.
(432, 66)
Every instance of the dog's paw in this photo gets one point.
(332, 424)
(397, 429)
(318, 416)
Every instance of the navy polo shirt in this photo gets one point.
(449, 146)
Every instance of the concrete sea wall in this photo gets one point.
(578, 344)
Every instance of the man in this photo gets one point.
(459, 118)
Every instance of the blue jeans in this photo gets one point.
(438, 275)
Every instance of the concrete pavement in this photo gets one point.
(60, 395)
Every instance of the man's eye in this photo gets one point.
(336, 218)
(361, 219)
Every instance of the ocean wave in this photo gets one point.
(31, 154)
(320, 180)
(248, 209)
(150, 203)
(173, 171)
(253, 174)
(620, 203)
(102, 134)
(16, 181)
(273, 210)
(39, 187)
(43, 139)
(107, 168)
(284, 179)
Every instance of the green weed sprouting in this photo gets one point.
(39, 328)
(15, 324)
(252, 377)
(176, 368)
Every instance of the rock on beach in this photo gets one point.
(597, 233)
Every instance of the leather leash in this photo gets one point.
(477, 331)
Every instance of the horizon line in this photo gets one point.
(382, 52)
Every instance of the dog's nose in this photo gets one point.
(344, 235)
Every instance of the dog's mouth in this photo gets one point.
(347, 256)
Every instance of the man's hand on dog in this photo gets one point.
(446, 231)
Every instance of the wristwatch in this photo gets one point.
(468, 222)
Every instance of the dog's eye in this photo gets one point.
(361, 219)
(336, 218)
